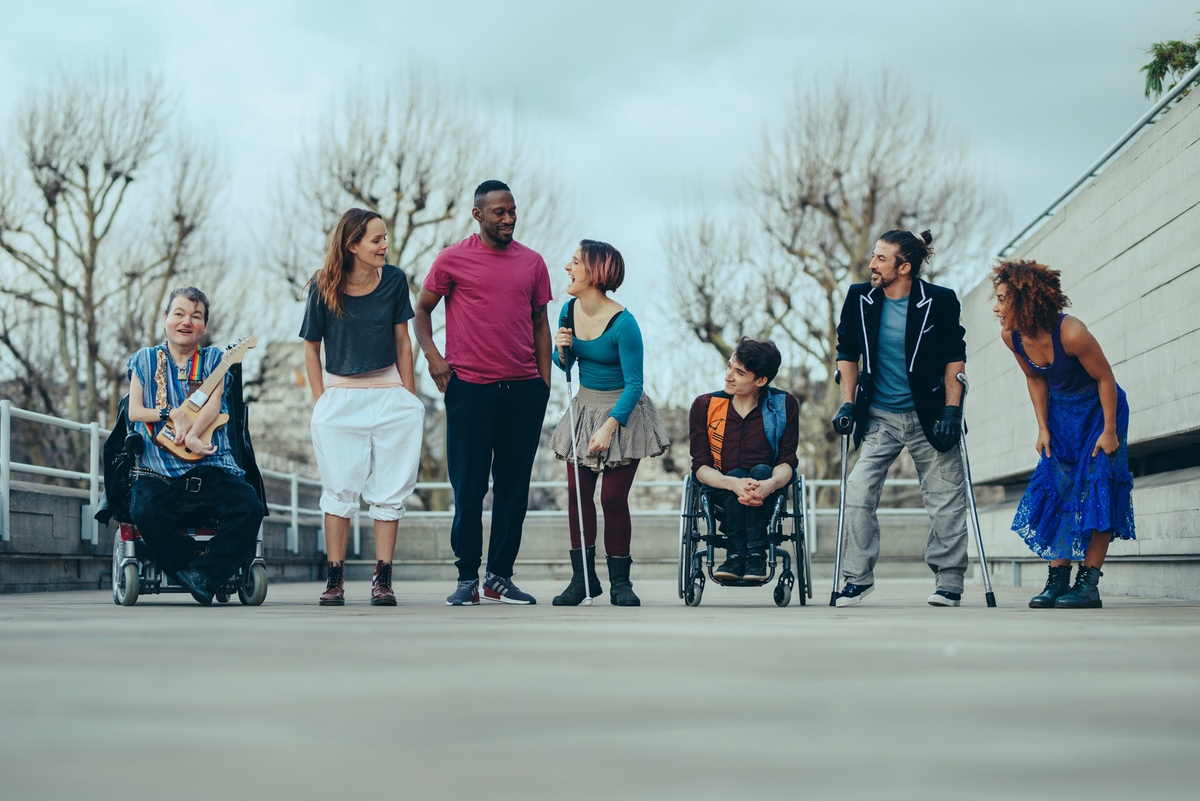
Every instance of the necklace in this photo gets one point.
(190, 370)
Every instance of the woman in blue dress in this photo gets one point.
(616, 424)
(1079, 498)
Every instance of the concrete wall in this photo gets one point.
(1129, 253)
(47, 552)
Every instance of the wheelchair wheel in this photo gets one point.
(783, 590)
(686, 529)
(695, 589)
(253, 589)
(124, 579)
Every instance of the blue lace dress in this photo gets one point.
(1071, 493)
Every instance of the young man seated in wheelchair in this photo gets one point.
(743, 444)
(161, 379)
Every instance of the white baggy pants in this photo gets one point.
(368, 443)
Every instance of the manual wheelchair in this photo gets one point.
(699, 539)
(134, 571)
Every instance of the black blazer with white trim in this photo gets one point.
(933, 338)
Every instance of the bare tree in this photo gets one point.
(845, 166)
(413, 154)
(93, 259)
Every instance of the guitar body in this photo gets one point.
(191, 407)
(166, 437)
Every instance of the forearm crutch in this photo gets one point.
(962, 449)
(564, 355)
(841, 527)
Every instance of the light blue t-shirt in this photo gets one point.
(892, 392)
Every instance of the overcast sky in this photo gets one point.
(639, 106)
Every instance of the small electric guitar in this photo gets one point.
(191, 407)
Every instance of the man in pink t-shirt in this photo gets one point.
(496, 379)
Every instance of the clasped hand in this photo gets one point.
(187, 434)
(750, 491)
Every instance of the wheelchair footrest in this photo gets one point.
(742, 582)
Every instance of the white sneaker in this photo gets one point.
(851, 594)
(945, 598)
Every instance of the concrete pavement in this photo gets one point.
(737, 698)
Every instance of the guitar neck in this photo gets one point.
(198, 398)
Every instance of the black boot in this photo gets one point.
(621, 593)
(574, 594)
(1056, 587)
(1085, 594)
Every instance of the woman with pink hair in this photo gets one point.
(618, 422)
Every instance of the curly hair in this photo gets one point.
(1035, 296)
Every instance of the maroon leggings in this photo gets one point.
(614, 497)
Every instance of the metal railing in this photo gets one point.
(294, 511)
(1148, 118)
(89, 528)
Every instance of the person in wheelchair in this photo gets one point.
(743, 444)
(161, 378)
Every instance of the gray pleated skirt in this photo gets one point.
(642, 437)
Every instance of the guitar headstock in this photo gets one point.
(234, 353)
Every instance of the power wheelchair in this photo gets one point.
(134, 571)
(699, 539)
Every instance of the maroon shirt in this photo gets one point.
(746, 442)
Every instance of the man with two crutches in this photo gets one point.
(907, 336)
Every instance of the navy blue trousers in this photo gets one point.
(744, 526)
(154, 507)
(491, 429)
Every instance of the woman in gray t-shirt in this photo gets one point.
(367, 421)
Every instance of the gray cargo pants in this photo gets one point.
(942, 488)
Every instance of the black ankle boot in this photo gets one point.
(1057, 586)
(621, 593)
(1086, 593)
(574, 594)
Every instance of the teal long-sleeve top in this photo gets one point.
(611, 361)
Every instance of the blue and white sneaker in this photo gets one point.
(945, 598)
(851, 594)
(502, 590)
(466, 594)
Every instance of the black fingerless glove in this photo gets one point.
(843, 421)
(947, 430)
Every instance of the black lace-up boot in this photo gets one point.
(1057, 586)
(1085, 594)
(335, 586)
(381, 585)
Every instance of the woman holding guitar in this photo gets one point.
(367, 422)
(180, 421)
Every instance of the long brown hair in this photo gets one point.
(330, 280)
